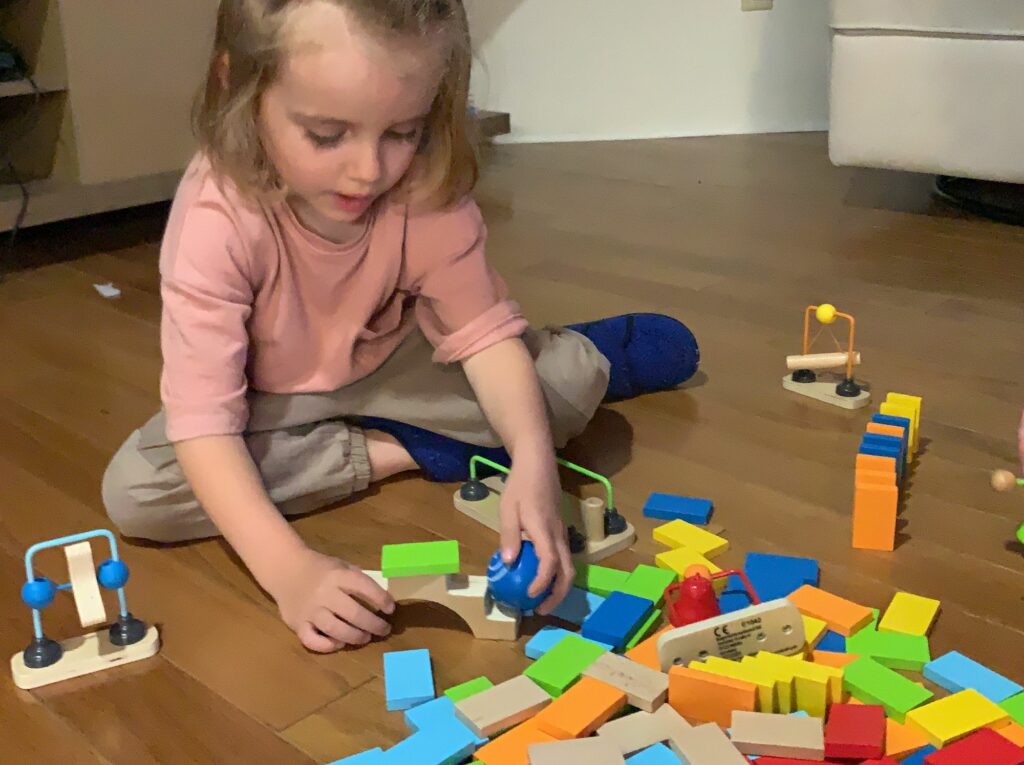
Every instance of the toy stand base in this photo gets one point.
(84, 655)
(486, 511)
(825, 390)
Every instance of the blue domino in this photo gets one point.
(884, 451)
(617, 619)
(369, 757)
(668, 507)
(889, 419)
(734, 597)
(776, 576)
(917, 758)
(577, 606)
(408, 678)
(956, 672)
(436, 713)
(546, 639)
(832, 641)
(884, 439)
(444, 743)
(659, 754)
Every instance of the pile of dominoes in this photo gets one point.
(598, 694)
(885, 456)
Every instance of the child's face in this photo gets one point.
(343, 120)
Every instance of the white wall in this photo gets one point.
(571, 70)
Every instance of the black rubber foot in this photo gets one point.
(804, 376)
(1003, 202)
(848, 389)
(127, 630)
(474, 491)
(577, 542)
(613, 522)
(42, 652)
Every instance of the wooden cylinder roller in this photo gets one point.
(592, 510)
(821, 360)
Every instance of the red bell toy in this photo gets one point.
(693, 599)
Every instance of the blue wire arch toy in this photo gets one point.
(127, 639)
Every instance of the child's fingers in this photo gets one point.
(548, 557)
(511, 534)
(371, 593)
(347, 608)
(564, 579)
(316, 641)
(329, 624)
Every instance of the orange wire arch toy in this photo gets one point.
(807, 369)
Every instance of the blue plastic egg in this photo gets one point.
(39, 593)
(509, 584)
(112, 574)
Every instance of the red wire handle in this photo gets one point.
(751, 592)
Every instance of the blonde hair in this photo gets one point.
(249, 36)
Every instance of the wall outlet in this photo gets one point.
(756, 5)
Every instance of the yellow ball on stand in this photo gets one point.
(825, 313)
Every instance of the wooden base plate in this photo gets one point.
(825, 390)
(83, 655)
(486, 511)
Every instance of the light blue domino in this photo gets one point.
(668, 507)
(369, 757)
(444, 743)
(408, 678)
(956, 672)
(659, 754)
(546, 639)
(577, 606)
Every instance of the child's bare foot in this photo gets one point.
(387, 456)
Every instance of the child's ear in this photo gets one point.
(224, 69)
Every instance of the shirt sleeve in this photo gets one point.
(207, 300)
(462, 305)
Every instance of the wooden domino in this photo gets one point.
(640, 730)
(503, 706)
(588, 750)
(778, 735)
(706, 745)
(84, 585)
(645, 688)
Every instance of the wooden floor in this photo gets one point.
(732, 235)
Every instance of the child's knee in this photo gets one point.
(133, 501)
(575, 378)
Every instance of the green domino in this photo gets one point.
(600, 580)
(1015, 706)
(894, 650)
(420, 559)
(648, 582)
(644, 628)
(870, 682)
(561, 666)
(470, 688)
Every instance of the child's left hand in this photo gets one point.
(530, 508)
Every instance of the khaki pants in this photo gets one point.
(309, 456)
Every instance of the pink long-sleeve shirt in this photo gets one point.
(254, 300)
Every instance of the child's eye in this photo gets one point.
(324, 141)
(395, 135)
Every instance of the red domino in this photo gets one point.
(855, 732)
(883, 761)
(986, 746)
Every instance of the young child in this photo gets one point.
(329, 318)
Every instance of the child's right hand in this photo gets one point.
(322, 599)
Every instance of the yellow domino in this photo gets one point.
(812, 683)
(682, 558)
(764, 682)
(783, 678)
(956, 716)
(814, 630)
(911, 409)
(910, 614)
(679, 533)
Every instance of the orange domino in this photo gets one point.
(876, 477)
(581, 710)
(890, 430)
(876, 462)
(874, 515)
(1013, 732)
(901, 739)
(843, 616)
(705, 697)
(510, 748)
(646, 652)
(833, 659)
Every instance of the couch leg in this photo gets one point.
(1003, 202)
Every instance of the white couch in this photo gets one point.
(932, 86)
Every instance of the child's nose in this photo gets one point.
(365, 165)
